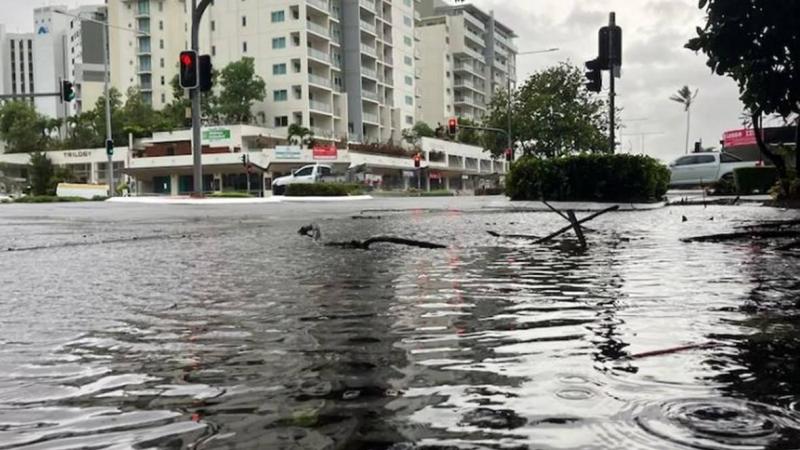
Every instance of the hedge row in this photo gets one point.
(323, 190)
(589, 177)
(751, 179)
(54, 199)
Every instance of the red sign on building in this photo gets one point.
(325, 151)
(739, 138)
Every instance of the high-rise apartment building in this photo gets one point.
(16, 63)
(145, 39)
(468, 56)
(343, 68)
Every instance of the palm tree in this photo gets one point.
(299, 134)
(684, 97)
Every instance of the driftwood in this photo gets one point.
(577, 227)
(771, 224)
(563, 216)
(670, 351)
(364, 245)
(512, 236)
(313, 231)
(789, 246)
(570, 227)
(755, 234)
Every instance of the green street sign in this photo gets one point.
(217, 134)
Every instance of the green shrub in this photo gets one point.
(750, 179)
(490, 191)
(231, 194)
(588, 177)
(437, 193)
(323, 190)
(49, 199)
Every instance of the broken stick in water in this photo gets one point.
(313, 231)
(570, 227)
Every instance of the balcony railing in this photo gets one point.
(319, 106)
(318, 80)
(369, 4)
(373, 118)
(369, 72)
(370, 95)
(368, 26)
(319, 29)
(369, 49)
(319, 4)
(319, 54)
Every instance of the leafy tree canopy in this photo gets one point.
(240, 88)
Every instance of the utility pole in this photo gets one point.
(109, 137)
(197, 145)
(612, 23)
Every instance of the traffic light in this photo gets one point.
(509, 155)
(452, 126)
(109, 147)
(594, 76)
(67, 91)
(189, 70)
(244, 160)
(206, 81)
(610, 46)
(417, 160)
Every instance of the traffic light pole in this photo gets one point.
(109, 137)
(197, 145)
(612, 22)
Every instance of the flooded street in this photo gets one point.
(147, 326)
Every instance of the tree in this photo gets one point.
(420, 130)
(22, 128)
(685, 97)
(241, 87)
(757, 44)
(41, 174)
(299, 134)
(81, 132)
(138, 116)
(552, 114)
(99, 117)
(469, 136)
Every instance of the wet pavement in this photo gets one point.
(152, 326)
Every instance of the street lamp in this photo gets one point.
(508, 78)
(106, 81)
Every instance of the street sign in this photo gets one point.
(217, 134)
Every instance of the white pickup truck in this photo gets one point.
(705, 168)
(316, 173)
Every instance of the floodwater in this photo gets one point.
(126, 326)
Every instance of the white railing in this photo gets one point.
(319, 29)
(369, 72)
(321, 4)
(319, 106)
(369, 49)
(369, 4)
(370, 95)
(368, 26)
(321, 81)
(371, 118)
(319, 54)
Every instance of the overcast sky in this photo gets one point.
(655, 63)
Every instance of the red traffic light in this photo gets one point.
(189, 73)
(452, 126)
(186, 59)
(417, 159)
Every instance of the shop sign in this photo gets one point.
(435, 176)
(77, 154)
(325, 152)
(217, 134)
(288, 152)
(739, 138)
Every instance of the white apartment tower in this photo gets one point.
(343, 68)
(145, 39)
(469, 56)
(16, 63)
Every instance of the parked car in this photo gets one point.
(705, 168)
(316, 173)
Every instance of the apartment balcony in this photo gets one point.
(469, 68)
(388, 60)
(475, 54)
(319, 55)
(320, 106)
(369, 5)
(474, 21)
(369, 27)
(319, 80)
(336, 12)
(371, 118)
(471, 102)
(476, 38)
(321, 5)
(370, 95)
(319, 29)
(369, 50)
(366, 71)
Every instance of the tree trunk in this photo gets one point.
(797, 148)
(688, 126)
(777, 160)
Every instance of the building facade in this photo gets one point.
(472, 56)
(16, 63)
(145, 40)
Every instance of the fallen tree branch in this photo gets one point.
(755, 234)
(512, 236)
(584, 220)
(577, 227)
(790, 246)
(364, 245)
(673, 350)
(771, 224)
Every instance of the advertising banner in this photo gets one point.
(325, 152)
(739, 138)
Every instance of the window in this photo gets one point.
(408, 41)
(325, 171)
(160, 24)
(161, 44)
(213, 50)
(279, 42)
(409, 81)
(281, 121)
(705, 159)
(280, 95)
(304, 172)
(409, 120)
(162, 80)
(161, 63)
(407, 21)
(407, 2)
(244, 47)
(408, 61)
(244, 21)
(728, 158)
(279, 69)
(278, 16)
(409, 100)
(213, 25)
(163, 98)
(686, 160)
